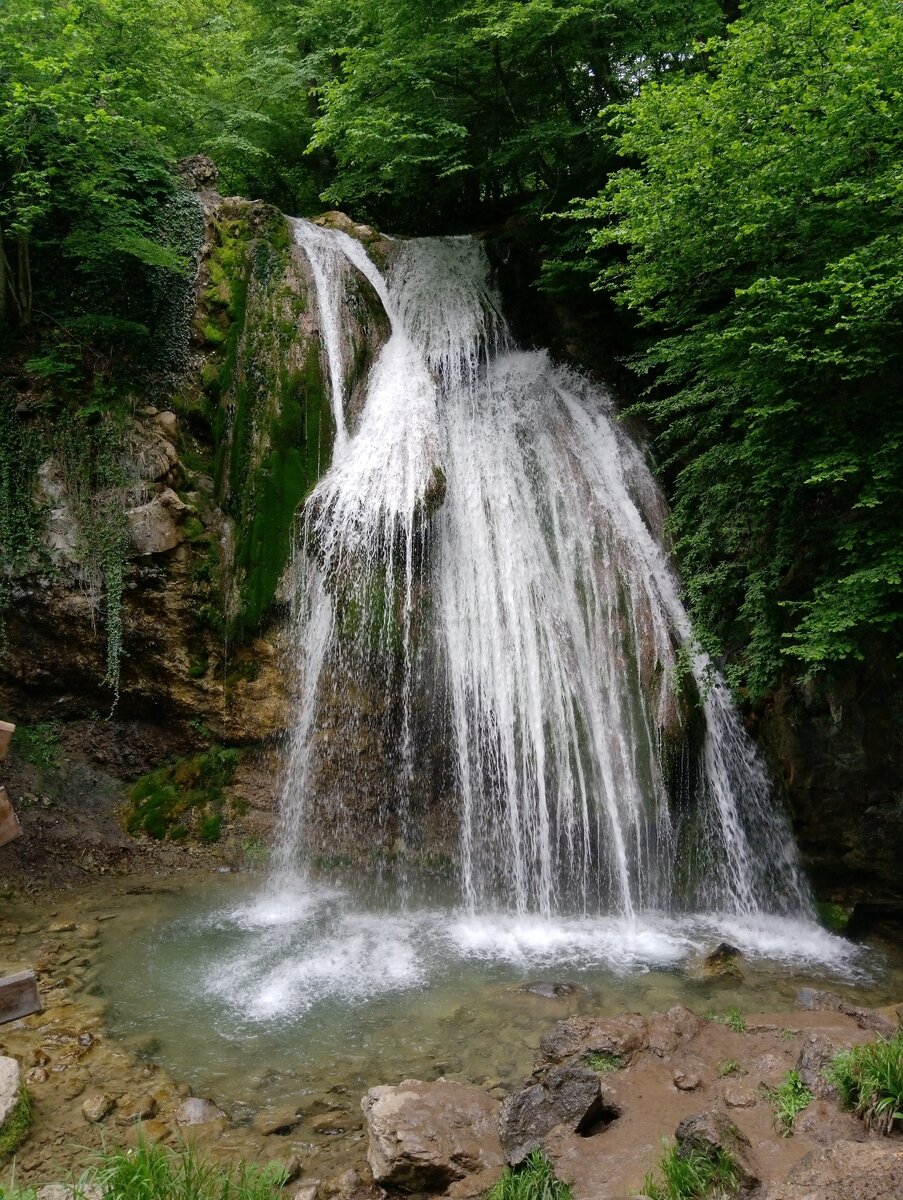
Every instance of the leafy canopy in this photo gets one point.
(757, 233)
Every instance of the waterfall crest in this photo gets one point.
(488, 535)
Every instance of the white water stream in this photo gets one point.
(490, 506)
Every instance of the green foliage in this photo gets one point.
(600, 1060)
(184, 796)
(38, 744)
(788, 1100)
(534, 1179)
(21, 521)
(869, 1079)
(94, 459)
(693, 1176)
(15, 1128)
(160, 1173)
(756, 235)
(454, 107)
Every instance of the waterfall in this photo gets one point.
(489, 538)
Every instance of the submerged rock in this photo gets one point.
(197, 1111)
(722, 962)
(424, 1136)
(570, 1096)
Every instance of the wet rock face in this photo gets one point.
(839, 753)
(424, 1136)
(572, 1097)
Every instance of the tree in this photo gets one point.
(759, 236)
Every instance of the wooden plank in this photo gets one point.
(10, 829)
(6, 736)
(18, 996)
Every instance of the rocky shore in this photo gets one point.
(605, 1090)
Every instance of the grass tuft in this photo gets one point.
(730, 1067)
(694, 1176)
(869, 1079)
(788, 1100)
(160, 1173)
(602, 1060)
(534, 1179)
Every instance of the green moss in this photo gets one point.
(15, 1128)
(185, 794)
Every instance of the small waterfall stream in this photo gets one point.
(490, 515)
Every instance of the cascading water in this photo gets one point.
(490, 514)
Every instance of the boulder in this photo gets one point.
(577, 1037)
(688, 1076)
(424, 1136)
(825, 1124)
(570, 1096)
(156, 527)
(846, 1171)
(707, 1132)
(10, 1088)
(722, 962)
(140, 1109)
(812, 1000)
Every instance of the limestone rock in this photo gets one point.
(847, 1171)
(689, 1075)
(670, 1031)
(199, 172)
(424, 1136)
(197, 1111)
(570, 1096)
(812, 1000)
(140, 1109)
(10, 1087)
(155, 527)
(816, 1054)
(62, 1191)
(576, 1037)
(706, 1132)
(722, 962)
(155, 456)
(738, 1095)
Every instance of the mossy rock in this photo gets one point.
(15, 1128)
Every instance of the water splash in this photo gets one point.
(491, 515)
